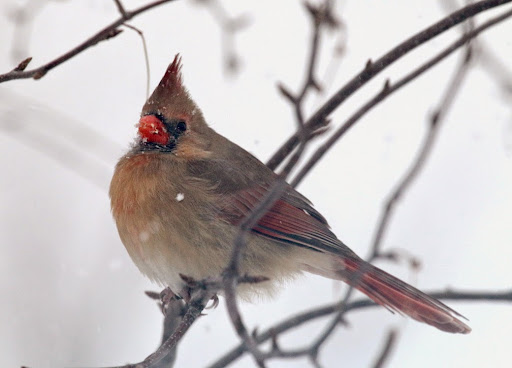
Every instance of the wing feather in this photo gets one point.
(292, 219)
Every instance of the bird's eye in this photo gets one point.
(181, 126)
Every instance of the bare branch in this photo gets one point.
(231, 272)
(389, 89)
(172, 320)
(425, 150)
(193, 310)
(374, 68)
(386, 351)
(321, 16)
(302, 318)
(316, 345)
(176, 324)
(496, 68)
(106, 33)
(312, 350)
(229, 26)
(121, 8)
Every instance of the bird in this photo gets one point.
(180, 193)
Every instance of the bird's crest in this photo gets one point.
(170, 97)
(172, 77)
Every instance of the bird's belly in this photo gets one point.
(164, 253)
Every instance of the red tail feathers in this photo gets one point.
(396, 295)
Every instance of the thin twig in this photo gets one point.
(121, 8)
(231, 273)
(322, 311)
(389, 89)
(424, 152)
(173, 316)
(193, 311)
(501, 72)
(386, 350)
(486, 58)
(374, 68)
(146, 56)
(317, 344)
(229, 26)
(321, 16)
(104, 34)
(312, 351)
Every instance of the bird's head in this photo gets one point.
(171, 121)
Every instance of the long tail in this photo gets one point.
(396, 295)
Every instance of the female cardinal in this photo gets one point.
(178, 195)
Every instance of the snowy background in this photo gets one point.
(70, 295)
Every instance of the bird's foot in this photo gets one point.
(167, 296)
(192, 285)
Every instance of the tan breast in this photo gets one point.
(160, 216)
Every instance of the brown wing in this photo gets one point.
(291, 219)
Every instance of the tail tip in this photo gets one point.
(454, 326)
